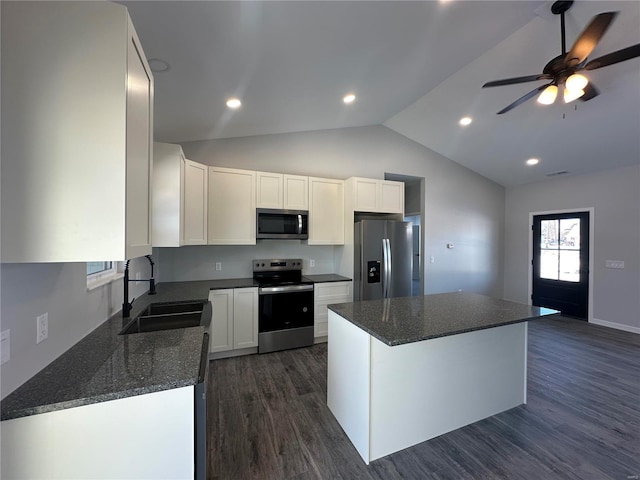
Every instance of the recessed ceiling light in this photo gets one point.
(157, 65)
(464, 121)
(533, 161)
(234, 103)
(350, 98)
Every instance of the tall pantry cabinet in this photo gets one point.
(77, 123)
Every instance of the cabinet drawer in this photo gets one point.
(332, 290)
(322, 312)
(321, 329)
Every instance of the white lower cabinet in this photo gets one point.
(234, 323)
(148, 436)
(326, 294)
(245, 317)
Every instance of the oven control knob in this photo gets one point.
(304, 309)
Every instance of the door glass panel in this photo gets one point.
(570, 233)
(548, 233)
(549, 264)
(570, 265)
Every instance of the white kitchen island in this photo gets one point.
(405, 370)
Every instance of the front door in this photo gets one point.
(561, 262)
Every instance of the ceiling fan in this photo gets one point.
(564, 69)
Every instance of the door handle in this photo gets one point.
(386, 253)
(299, 224)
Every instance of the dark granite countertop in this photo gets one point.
(401, 320)
(106, 366)
(327, 277)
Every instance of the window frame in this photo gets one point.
(103, 277)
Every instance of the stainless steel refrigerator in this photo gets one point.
(383, 259)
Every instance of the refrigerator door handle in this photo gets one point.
(384, 268)
(386, 252)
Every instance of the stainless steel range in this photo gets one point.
(285, 305)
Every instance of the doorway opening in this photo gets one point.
(560, 262)
(414, 199)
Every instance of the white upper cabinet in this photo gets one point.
(277, 190)
(326, 211)
(77, 123)
(179, 198)
(269, 190)
(195, 202)
(168, 179)
(296, 192)
(232, 207)
(377, 196)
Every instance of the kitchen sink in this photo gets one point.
(167, 316)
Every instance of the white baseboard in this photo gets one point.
(617, 326)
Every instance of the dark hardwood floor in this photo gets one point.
(268, 418)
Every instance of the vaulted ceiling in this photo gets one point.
(416, 67)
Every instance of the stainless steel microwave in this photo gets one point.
(284, 224)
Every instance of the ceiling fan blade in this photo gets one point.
(589, 38)
(614, 57)
(524, 98)
(589, 92)
(511, 81)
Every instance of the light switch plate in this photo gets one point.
(5, 346)
(614, 264)
(43, 327)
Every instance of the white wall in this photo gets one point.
(60, 289)
(615, 197)
(461, 207)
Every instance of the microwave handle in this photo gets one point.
(299, 224)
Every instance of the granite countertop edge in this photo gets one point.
(91, 400)
(419, 338)
(366, 315)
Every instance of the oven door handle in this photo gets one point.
(285, 289)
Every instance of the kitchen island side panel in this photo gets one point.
(348, 380)
(424, 389)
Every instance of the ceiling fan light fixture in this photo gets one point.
(571, 95)
(349, 98)
(576, 82)
(548, 95)
(234, 103)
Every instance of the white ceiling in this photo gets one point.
(416, 67)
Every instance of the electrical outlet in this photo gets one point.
(218, 266)
(137, 275)
(43, 327)
(312, 263)
(5, 347)
(432, 259)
